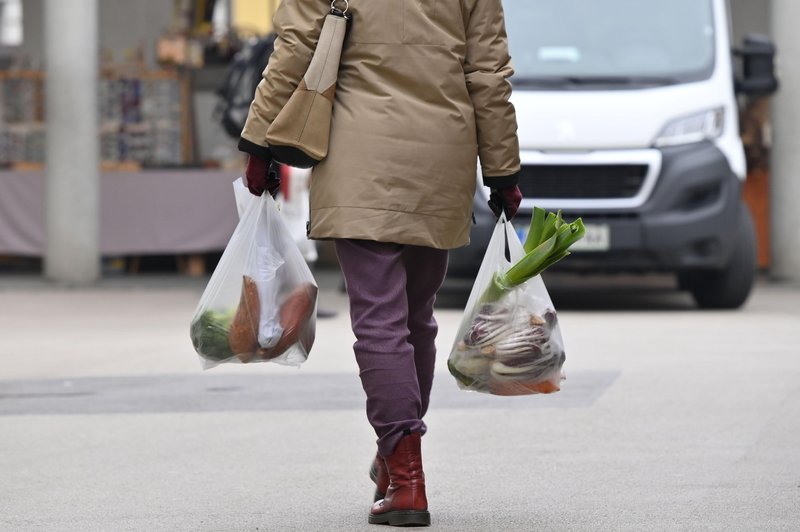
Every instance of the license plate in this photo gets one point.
(522, 232)
(597, 238)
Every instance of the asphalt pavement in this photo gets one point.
(670, 419)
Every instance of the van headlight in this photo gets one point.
(698, 127)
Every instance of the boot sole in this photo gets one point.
(402, 518)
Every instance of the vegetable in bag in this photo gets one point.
(294, 313)
(210, 334)
(242, 336)
(260, 303)
(509, 342)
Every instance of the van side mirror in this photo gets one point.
(757, 77)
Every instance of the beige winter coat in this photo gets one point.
(423, 92)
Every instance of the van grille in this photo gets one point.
(582, 181)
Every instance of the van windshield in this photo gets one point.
(624, 43)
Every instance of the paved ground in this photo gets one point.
(670, 419)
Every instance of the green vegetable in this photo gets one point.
(209, 334)
(549, 239)
(536, 229)
(468, 382)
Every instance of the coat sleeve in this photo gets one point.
(488, 68)
(298, 24)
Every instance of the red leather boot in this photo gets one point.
(380, 476)
(405, 503)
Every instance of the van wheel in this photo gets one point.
(727, 288)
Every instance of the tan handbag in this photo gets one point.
(300, 133)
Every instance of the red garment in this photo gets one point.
(505, 199)
(258, 178)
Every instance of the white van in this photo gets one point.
(627, 118)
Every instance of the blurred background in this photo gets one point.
(671, 127)
(163, 94)
(160, 67)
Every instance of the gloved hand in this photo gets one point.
(505, 199)
(261, 175)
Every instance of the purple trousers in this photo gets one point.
(392, 288)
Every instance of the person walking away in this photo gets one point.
(422, 94)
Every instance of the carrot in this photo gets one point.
(243, 335)
(295, 312)
(512, 387)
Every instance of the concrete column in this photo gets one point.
(785, 172)
(73, 175)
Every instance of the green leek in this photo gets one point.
(549, 239)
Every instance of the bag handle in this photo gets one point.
(505, 235)
(340, 12)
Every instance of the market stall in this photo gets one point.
(142, 212)
(166, 164)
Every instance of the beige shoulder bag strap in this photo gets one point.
(300, 133)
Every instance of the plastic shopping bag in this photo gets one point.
(509, 341)
(260, 303)
(295, 210)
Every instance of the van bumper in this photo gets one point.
(692, 219)
(689, 222)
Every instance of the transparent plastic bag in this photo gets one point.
(512, 345)
(260, 303)
(295, 210)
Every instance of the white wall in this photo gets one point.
(123, 24)
(32, 32)
(785, 171)
(130, 23)
(750, 16)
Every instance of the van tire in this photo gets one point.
(730, 287)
